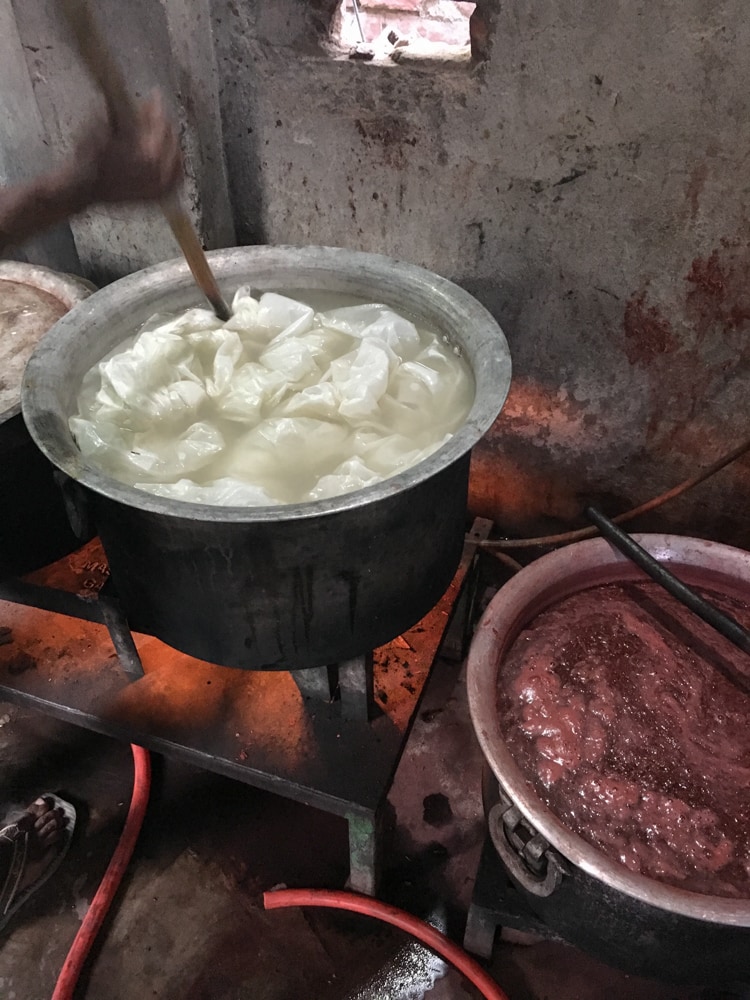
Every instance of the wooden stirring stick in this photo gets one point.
(106, 73)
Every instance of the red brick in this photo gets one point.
(448, 34)
(405, 25)
(399, 5)
(443, 10)
(448, 25)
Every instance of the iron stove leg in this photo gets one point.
(364, 852)
(356, 685)
(319, 683)
(119, 631)
(481, 927)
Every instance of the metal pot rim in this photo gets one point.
(68, 289)
(539, 585)
(331, 266)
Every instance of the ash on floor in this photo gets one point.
(189, 923)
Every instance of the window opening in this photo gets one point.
(385, 30)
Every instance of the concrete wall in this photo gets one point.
(23, 143)
(586, 182)
(163, 45)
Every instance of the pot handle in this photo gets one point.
(529, 858)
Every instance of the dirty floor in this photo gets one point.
(188, 923)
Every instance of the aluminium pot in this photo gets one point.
(34, 528)
(278, 587)
(628, 920)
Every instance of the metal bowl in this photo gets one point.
(638, 923)
(34, 529)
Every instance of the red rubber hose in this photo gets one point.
(399, 918)
(107, 890)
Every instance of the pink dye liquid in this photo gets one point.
(618, 707)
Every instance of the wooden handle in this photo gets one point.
(185, 234)
(121, 110)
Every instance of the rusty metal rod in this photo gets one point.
(106, 73)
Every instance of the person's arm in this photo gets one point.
(139, 163)
(33, 207)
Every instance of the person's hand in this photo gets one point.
(139, 161)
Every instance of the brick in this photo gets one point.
(448, 24)
(395, 5)
(445, 32)
(372, 26)
(405, 27)
(442, 10)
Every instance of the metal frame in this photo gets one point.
(330, 737)
(496, 903)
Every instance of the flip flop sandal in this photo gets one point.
(11, 900)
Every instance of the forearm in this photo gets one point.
(142, 163)
(30, 208)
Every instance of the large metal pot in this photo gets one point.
(280, 587)
(34, 529)
(643, 926)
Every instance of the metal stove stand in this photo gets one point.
(496, 903)
(330, 738)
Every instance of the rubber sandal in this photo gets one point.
(11, 900)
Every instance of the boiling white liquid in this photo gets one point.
(280, 404)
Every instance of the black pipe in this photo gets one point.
(729, 627)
